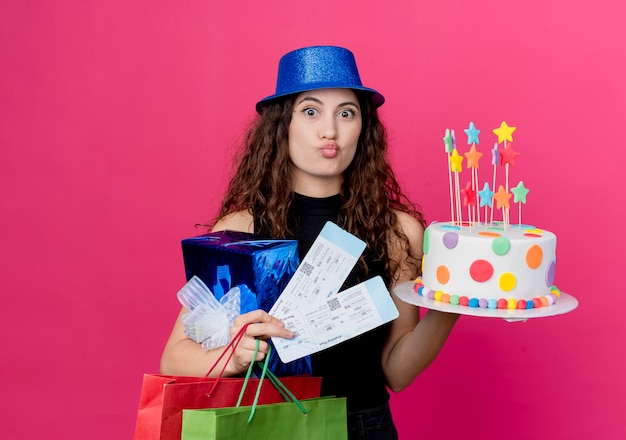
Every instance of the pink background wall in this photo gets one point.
(117, 123)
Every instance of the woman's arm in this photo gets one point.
(412, 343)
(185, 357)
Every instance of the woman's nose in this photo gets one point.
(328, 128)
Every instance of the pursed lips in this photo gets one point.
(330, 149)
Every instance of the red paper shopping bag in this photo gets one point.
(163, 398)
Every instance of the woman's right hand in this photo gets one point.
(261, 326)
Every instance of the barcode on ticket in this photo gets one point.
(306, 268)
(333, 304)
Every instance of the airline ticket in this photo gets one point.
(311, 307)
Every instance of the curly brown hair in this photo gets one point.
(370, 191)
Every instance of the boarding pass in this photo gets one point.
(311, 307)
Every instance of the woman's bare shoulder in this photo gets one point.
(410, 225)
(237, 221)
(413, 229)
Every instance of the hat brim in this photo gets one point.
(377, 98)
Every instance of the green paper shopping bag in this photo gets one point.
(322, 418)
(325, 419)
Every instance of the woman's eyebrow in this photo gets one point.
(311, 98)
(348, 103)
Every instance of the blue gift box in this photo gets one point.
(261, 267)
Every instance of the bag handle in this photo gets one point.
(232, 345)
(248, 374)
(282, 389)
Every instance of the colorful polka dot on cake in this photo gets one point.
(501, 246)
(443, 274)
(534, 256)
(550, 274)
(507, 281)
(481, 270)
(489, 234)
(450, 239)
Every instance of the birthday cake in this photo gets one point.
(487, 264)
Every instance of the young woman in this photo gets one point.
(316, 153)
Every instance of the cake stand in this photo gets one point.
(565, 304)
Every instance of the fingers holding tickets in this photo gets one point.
(261, 326)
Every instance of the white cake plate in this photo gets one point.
(565, 304)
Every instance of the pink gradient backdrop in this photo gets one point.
(117, 123)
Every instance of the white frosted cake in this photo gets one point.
(489, 265)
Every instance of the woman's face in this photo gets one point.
(323, 137)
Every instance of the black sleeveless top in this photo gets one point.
(352, 369)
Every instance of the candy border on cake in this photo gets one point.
(500, 303)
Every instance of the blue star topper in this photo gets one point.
(486, 196)
(472, 134)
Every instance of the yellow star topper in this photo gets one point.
(504, 132)
(455, 161)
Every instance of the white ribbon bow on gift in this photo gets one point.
(209, 320)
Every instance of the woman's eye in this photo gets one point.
(310, 111)
(346, 114)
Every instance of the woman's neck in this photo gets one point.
(314, 187)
